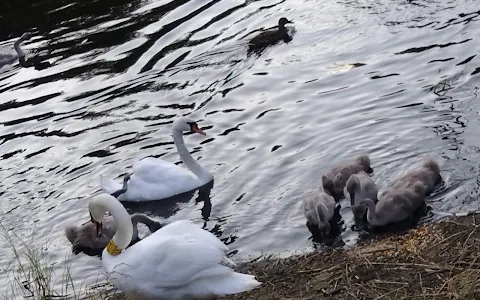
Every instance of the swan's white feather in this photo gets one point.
(108, 185)
(154, 179)
(187, 228)
(178, 260)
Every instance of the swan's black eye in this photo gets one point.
(193, 126)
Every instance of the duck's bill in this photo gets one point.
(197, 130)
(291, 22)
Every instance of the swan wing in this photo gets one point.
(161, 262)
(187, 228)
(155, 179)
(151, 178)
(154, 170)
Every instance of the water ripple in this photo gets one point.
(398, 80)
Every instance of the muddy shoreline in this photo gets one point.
(433, 261)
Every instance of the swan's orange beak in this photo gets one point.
(195, 128)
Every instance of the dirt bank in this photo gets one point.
(435, 261)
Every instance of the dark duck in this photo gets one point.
(271, 37)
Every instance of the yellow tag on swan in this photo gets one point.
(113, 249)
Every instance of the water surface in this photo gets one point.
(395, 79)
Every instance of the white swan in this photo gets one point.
(178, 261)
(155, 179)
(9, 58)
(85, 236)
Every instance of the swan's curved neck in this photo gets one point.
(187, 158)
(320, 210)
(19, 50)
(139, 218)
(123, 236)
(371, 213)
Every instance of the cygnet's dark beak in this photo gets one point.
(98, 226)
(289, 22)
(99, 229)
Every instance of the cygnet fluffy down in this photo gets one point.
(335, 180)
(318, 208)
(395, 205)
(400, 201)
(428, 174)
(85, 236)
(358, 187)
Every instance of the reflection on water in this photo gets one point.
(170, 206)
(398, 80)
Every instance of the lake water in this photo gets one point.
(395, 79)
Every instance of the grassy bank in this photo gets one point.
(30, 273)
(435, 261)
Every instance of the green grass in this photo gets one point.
(31, 274)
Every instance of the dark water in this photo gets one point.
(121, 71)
